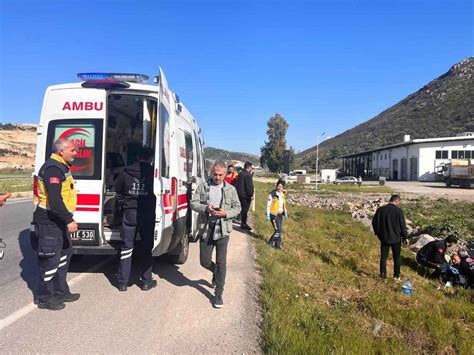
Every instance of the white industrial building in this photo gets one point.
(415, 159)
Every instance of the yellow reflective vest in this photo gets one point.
(273, 203)
(68, 191)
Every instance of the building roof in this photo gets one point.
(410, 142)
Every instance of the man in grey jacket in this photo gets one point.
(217, 203)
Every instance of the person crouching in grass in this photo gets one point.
(276, 209)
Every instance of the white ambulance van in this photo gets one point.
(110, 116)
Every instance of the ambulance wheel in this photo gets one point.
(179, 255)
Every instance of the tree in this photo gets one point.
(273, 150)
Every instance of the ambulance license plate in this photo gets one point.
(83, 234)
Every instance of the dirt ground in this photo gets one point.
(432, 190)
(416, 189)
(17, 147)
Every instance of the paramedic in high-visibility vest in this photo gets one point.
(276, 210)
(53, 223)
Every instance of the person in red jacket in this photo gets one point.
(231, 176)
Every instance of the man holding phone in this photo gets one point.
(217, 203)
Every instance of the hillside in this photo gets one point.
(213, 154)
(444, 107)
(17, 147)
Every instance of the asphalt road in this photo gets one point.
(175, 318)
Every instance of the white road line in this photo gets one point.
(12, 318)
(19, 201)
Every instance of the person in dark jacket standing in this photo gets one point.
(432, 255)
(390, 227)
(245, 190)
(135, 184)
(53, 223)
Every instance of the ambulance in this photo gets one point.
(110, 116)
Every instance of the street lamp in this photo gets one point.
(317, 157)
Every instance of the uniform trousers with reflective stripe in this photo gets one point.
(53, 269)
(277, 223)
(145, 225)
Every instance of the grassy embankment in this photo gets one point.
(16, 184)
(322, 292)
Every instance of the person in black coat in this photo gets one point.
(432, 255)
(244, 187)
(135, 186)
(390, 227)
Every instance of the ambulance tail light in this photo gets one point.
(105, 84)
(35, 188)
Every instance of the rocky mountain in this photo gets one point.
(213, 154)
(444, 107)
(17, 147)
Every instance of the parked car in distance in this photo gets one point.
(346, 180)
(294, 174)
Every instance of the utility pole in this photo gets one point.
(317, 157)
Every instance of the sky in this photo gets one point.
(325, 66)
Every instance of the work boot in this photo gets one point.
(122, 286)
(148, 285)
(69, 297)
(52, 305)
(218, 302)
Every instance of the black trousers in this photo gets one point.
(277, 223)
(219, 268)
(131, 223)
(384, 249)
(437, 269)
(54, 256)
(245, 204)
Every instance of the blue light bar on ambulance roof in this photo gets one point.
(128, 77)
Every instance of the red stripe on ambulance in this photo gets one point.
(88, 199)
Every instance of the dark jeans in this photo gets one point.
(277, 223)
(218, 268)
(384, 249)
(245, 204)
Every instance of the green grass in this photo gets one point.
(322, 294)
(332, 188)
(16, 185)
(442, 217)
(15, 172)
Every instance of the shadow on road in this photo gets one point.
(29, 263)
(171, 273)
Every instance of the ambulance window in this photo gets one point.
(198, 151)
(165, 141)
(87, 135)
(188, 141)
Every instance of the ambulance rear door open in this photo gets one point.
(79, 114)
